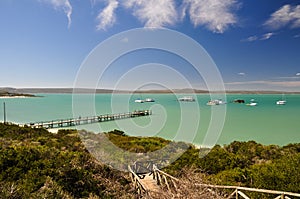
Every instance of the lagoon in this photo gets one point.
(266, 123)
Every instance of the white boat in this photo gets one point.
(252, 103)
(282, 101)
(187, 99)
(149, 100)
(215, 102)
(139, 101)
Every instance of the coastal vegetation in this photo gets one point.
(7, 94)
(11, 92)
(37, 164)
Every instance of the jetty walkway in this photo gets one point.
(155, 183)
(88, 120)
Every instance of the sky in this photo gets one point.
(254, 44)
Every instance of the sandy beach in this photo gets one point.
(12, 97)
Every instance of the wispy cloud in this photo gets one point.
(287, 15)
(62, 5)
(242, 74)
(297, 74)
(265, 36)
(216, 15)
(250, 39)
(154, 13)
(107, 17)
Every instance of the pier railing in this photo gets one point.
(88, 120)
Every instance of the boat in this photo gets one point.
(215, 102)
(252, 103)
(239, 101)
(149, 100)
(139, 101)
(282, 101)
(187, 99)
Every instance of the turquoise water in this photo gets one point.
(266, 123)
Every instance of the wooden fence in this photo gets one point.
(238, 191)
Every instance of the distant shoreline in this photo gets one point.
(8, 95)
(108, 91)
(13, 97)
(20, 91)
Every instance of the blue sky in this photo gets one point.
(255, 44)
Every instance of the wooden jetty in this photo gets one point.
(61, 123)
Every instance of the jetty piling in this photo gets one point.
(61, 123)
(4, 113)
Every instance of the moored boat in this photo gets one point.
(187, 99)
(252, 103)
(215, 102)
(282, 101)
(139, 101)
(239, 101)
(149, 100)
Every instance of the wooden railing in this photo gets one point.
(137, 182)
(238, 191)
(61, 123)
(164, 179)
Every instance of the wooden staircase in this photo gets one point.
(158, 184)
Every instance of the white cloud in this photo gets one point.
(107, 16)
(216, 15)
(242, 74)
(64, 5)
(296, 16)
(297, 74)
(267, 36)
(287, 15)
(250, 39)
(154, 13)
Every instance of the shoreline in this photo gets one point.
(150, 91)
(13, 97)
(196, 145)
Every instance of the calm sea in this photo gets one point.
(267, 123)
